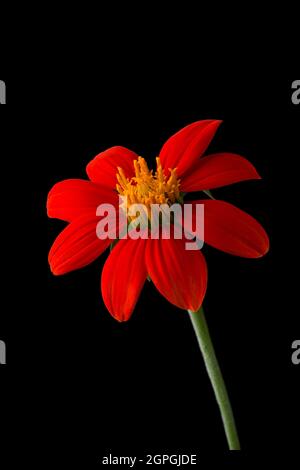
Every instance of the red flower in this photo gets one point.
(179, 275)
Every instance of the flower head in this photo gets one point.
(146, 188)
(179, 274)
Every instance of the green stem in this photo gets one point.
(216, 378)
(208, 193)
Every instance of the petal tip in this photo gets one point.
(217, 122)
(266, 249)
(54, 269)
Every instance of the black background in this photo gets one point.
(78, 385)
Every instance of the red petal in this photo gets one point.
(103, 168)
(232, 230)
(123, 277)
(218, 170)
(179, 275)
(184, 148)
(73, 198)
(77, 245)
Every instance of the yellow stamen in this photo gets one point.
(146, 188)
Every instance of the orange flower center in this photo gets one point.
(148, 188)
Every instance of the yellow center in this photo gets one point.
(148, 188)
